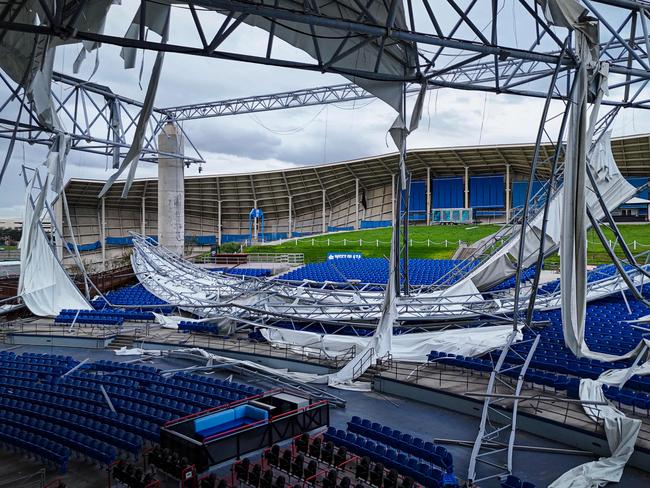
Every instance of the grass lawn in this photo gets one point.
(596, 253)
(376, 242)
(8, 248)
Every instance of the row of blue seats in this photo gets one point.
(172, 406)
(136, 295)
(404, 442)
(128, 315)
(23, 399)
(108, 433)
(36, 358)
(188, 379)
(141, 408)
(89, 319)
(255, 272)
(626, 396)
(46, 449)
(107, 365)
(93, 448)
(425, 474)
(203, 327)
(374, 270)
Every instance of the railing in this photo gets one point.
(11, 255)
(362, 363)
(295, 259)
(461, 381)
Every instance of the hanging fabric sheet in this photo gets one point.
(621, 431)
(44, 285)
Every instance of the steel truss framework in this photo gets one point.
(449, 47)
(453, 52)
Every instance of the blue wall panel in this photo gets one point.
(418, 201)
(486, 192)
(637, 182)
(519, 189)
(447, 193)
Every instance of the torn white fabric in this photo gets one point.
(412, 347)
(44, 286)
(621, 432)
(132, 157)
(155, 19)
(56, 160)
(172, 322)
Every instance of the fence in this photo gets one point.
(294, 259)
(10, 255)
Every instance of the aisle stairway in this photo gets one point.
(120, 341)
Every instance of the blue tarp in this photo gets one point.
(86, 247)
(447, 192)
(418, 201)
(486, 191)
(338, 229)
(202, 240)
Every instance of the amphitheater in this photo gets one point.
(467, 316)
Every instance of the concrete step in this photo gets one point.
(120, 341)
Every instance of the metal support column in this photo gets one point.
(290, 223)
(219, 222)
(392, 197)
(508, 200)
(428, 196)
(356, 203)
(143, 222)
(466, 182)
(324, 228)
(103, 233)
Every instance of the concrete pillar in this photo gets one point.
(171, 191)
(143, 220)
(356, 201)
(428, 196)
(102, 233)
(508, 202)
(324, 223)
(219, 222)
(466, 187)
(290, 225)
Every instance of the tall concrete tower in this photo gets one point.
(171, 191)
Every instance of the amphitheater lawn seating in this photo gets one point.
(51, 415)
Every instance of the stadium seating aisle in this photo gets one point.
(373, 270)
(56, 417)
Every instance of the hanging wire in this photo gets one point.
(295, 130)
(480, 134)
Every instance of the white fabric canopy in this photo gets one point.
(406, 347)
(44, 285)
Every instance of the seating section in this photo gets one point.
(429, 464)
(428, 451)
(54, 411)
(554, 366)
(373, 270)
(254, 272)
(109, 317)
(135, 295)
(202, 327)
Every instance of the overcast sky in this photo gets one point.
(288, 138)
